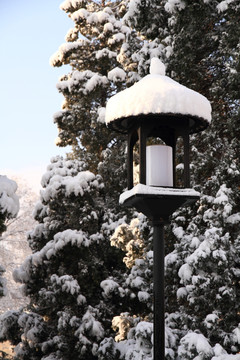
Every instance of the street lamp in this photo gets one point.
(154, 113)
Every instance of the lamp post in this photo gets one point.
(161, 110)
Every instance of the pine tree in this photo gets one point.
(74, 273)
(73, 302)
(9, 207)
(14, 246)
(91, 51)
(199, 43)
(65, 277)
(9, 203)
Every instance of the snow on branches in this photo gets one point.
(9, 202)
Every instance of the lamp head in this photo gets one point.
(158, 107)
(158, 97)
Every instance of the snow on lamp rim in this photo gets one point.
(157, 94)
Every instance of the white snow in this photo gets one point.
(143, 296)
(179, 232)
(66, 282)
(170, 258)
(101, 114)
(137, 282)
(59, 55)
(105, 53)
(81, 299)
(117, 75)
(218, 350)
(194, 243)
(202, 251)
(150, 190)
(196, 341)
(132, 9)
(85, 81)
(108, 27)
(157, 67)
(210, 320)
(60, 240)
(98, 17)
(222, 195)
(9, 201)
(80, 14)
(76, 185)
(233, 219)
(181, 292)
(172, 5)
(116, 38)
(69, 3)
(156, 94)
(223, 6)
(236, 334)
(95, 81)
(109, 286)
(91, 325)
(144, 330)
(185, 273)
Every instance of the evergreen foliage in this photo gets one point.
(89, 278)
(65, 277)
(9, 206)
(91, 49)
(200, 45)
(72, 278)
(9, 203)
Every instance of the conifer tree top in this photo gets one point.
(157, 94)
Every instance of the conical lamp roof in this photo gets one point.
(158, 96)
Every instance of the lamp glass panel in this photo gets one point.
(159, 165)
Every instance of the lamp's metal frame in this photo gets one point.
(158, 207)
(169, 135)
(168, 127)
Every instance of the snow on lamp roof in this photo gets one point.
(159, 95)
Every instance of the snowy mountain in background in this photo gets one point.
(14, 246)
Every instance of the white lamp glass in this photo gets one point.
(159, 166)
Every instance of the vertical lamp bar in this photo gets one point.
(174, 159)
(130, 161)
(186, 159)
(142, 155)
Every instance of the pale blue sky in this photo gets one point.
(30, 32)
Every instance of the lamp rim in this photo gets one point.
(158, 202)
(171, 120)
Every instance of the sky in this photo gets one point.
(30, 32)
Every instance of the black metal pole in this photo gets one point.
(158, 285)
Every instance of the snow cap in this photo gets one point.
(157, 67)
(159, 95)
